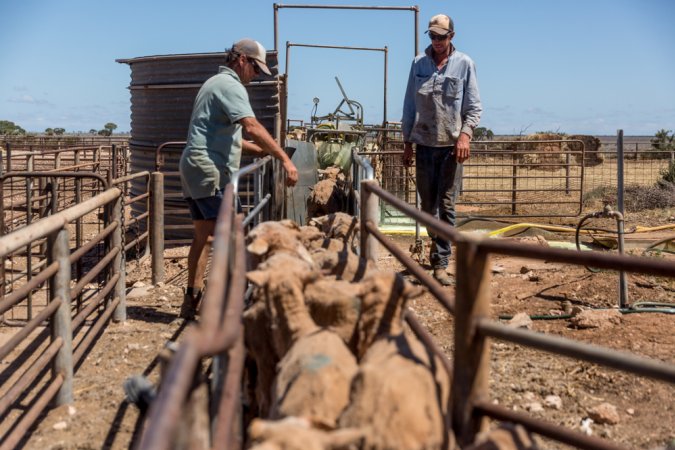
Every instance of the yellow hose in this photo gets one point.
(638, 229)
(532, 225)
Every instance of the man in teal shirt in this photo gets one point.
(213, 152)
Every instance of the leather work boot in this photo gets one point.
(441, 275)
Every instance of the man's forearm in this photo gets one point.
(266, 142)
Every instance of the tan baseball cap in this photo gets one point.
(254, 50)
(441, 24)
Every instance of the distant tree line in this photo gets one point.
(9, 128)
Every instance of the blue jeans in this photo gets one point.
(438, 180)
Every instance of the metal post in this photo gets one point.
(29, 247)
(470, 381)
(636, 151)
(148, 207)
(619, 170)
(9, 157)
(96, 157)
(284, 96)
(386, 58)
(120, 313)
(514, 180)
(113, 150)
(417, 20)
(288, 57)
(567, 170)
(78, 227)
(61, 324)
(369, 205)
(623, 283)
(157, 226)
(276, 27)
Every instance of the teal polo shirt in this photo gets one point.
(213, 149)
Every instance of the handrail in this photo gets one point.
(96, 176)
(260, 202)
(218, 331)
(246, 170)
(623, 361)
(158, 162)
(36, 230)
(363, 163)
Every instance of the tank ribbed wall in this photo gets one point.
(163, 89)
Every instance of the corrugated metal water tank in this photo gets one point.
(163, 89)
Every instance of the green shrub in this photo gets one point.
(668, 174)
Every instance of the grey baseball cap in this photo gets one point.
(254, 50)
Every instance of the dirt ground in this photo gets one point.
(520, 378)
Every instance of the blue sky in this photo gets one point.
(576, 66)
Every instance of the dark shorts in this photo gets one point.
(205, 208)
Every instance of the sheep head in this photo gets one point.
(385, 295)
(283, 293)
(273, 237)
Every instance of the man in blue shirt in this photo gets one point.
(441, 109)
(213, 152)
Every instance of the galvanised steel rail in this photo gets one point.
(220, 331)
(36, 157)
(219, 334)
(415, 9)
(384, 50)
(257, 169)
(46, 204)
(471, 363)
(160, 174)
(68, 342)
(123, 184)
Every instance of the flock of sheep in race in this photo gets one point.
(330, 364)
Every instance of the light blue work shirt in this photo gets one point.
(440, 104)
(214, 142)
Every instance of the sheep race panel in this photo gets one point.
(163, 89)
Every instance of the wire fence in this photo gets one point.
(525, 178)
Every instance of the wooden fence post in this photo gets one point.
(472, 352)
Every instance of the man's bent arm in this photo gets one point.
(267, 143)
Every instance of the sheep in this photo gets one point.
(294, 433)
(336, 305)
(257, 334)
(506, 437)
(328, 195)
(339, 226)
(273, 237)
(391, 374)
(316, 367)
(343, 265)
(260, 374)
(384, 296)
